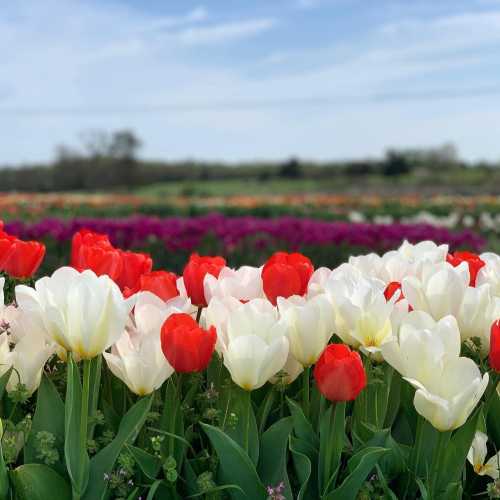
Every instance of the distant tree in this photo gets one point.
(396, 163)
(124, 145)
(292, 169)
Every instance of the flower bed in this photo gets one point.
(377, 379)
(245, 240)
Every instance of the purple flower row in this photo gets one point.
(186, 233)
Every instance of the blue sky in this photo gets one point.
(251, 79)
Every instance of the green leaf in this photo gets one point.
(303, 469)
(153, 489)
(216, 489)
(245, 432)
(235, 465)
(3, 381)
(48, 417)
(77, 460)
(361, 465)
(493, 422)
(4, 477)
(39, 482)
(148, 463)
(274, 445)
(172, 422)
(301, 425)
(456, 452)
(104, 461)
(332, 438)
(452, 492)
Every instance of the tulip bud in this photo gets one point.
(495, 346)
(194, 274)
(285, 274)
(339, 373)
(187, 347)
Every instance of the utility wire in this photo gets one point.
(258, 104)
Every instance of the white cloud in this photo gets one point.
(322, 101)
(226, 31)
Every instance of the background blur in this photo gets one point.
(328, 126)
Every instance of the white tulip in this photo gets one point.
(490, 272)
(289, 372)
(28, 359)
(244, 283)
(81, 312)
(6, 356)
(316, 284)
(478, 310)
(137, 358)
(310, 325)
(477, 456)
(362, 314)
(439, 290)
(253, 343)
(427, 354)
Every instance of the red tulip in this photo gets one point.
(392, 288)
(134, 265)
(162, 283)
(339, 373)
(20, 259)
(94, 251)
(473, 260)
(495, 346)
(187, 347)
(194, 273)
(285, 274)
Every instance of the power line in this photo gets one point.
(257, 104)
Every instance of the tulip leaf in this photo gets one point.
(360, 466)
(4, 477)
(3, 381)
(452, 492)
(303, 469)
(216, 489)
(148, 463)
(301, 425)
(332, 438)
(245, 432)
(172, 423)
(273, 454)
(235, 465)
(456, 452)
(153, 489)
(48, 417)
(39, 482)
(77, 459)
(493, 422)
(104, 461)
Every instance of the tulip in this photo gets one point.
(187, 347)
(252, 341)
(94, 251)
(495, 346)
(81, 312)
(28, 359)
(135, 264)
(439, 290)
(284, 275)
(473, 260)
(363, 316)
(243, 284)
(310, 325)
(20, 259)
(477, 456)
(393, 288)
(161, 283)
(194, 274)
(427, 354)
(339, 373)
(6, 356)
(490, 272)
(137, 358)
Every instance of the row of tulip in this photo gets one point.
(376, 379)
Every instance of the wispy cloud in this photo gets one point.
(196, 15)
(226, 31)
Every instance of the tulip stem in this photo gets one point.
(305, 391)
(198, 314)
(248, 404)
(439, 453)
(490, 391)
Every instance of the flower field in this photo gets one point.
(269, 375)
